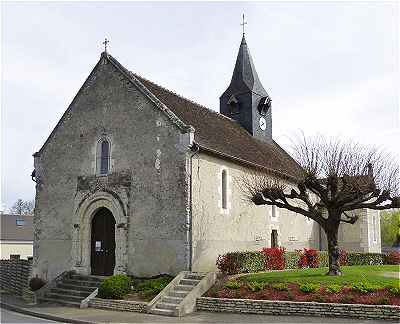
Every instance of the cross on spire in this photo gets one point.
(106, 41)
(243, 23)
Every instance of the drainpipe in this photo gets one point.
(189, 252)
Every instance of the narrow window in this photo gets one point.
(274, 238)
(273, 213)
(20, 222)
(104, 157)
(224, 190)
(374, 229)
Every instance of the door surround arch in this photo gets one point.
(81, 232)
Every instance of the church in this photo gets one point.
(137, 179)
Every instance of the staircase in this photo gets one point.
(72, 290)
(171, 299)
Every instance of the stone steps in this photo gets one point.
(72, 290)
(170, 301)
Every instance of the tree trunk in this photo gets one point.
(333, 249)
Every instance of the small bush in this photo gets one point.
(241, 262)
(153, 286)
(36, 283)
(343, 257)
(291, 260)
(364, 287)
(281, 286)
(383, 301)
(308, 258)
(365, 258)
(309, 287)
(274, 258)
(393, 258)
(323, 258)
(333, 288)
(395, 290)
(256, 286)
(233, 285)
(115, 287)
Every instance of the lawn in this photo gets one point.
(374, 274)
(371, 284)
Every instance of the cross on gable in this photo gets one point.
(106, 41)
(243, 23)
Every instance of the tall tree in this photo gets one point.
(335, 178)
(22, 207)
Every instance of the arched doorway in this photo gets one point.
(102, 259)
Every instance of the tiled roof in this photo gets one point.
(221, 135)
(10, 231)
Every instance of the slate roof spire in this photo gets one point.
(245, 77)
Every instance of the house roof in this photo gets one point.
(219, 134)
(10, 231)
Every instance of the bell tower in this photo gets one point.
(246, 100)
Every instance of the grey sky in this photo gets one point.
(331, 68)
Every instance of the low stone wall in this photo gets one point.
(119, 305)
(269, 307)
(15, 274)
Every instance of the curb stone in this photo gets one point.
(42, 315)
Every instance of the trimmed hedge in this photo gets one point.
(256, 261)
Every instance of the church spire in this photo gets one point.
(245, 77)
(246, 100)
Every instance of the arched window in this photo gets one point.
(224, 191)
(104, 158)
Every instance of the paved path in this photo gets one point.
(92, 315)
(12, 317)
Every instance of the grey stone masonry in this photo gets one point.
(119, 305)
(288, 308)
(15, 274)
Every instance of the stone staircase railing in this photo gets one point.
(179, 297)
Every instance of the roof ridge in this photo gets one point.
(182, 97)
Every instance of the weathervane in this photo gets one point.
(243, 23)
(106, 41)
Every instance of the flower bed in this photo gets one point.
(293, 292)
(359, 285)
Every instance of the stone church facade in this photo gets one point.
(137, 179)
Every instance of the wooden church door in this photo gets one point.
(103, 243)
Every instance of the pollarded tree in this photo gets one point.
(336, 177)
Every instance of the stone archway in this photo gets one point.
(81, 238)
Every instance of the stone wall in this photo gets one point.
(382, 312)
(147, 183)
(241, 226)
(119, 305)
(15, 275)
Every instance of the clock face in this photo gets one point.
(263, 123)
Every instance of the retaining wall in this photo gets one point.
(274, 307)
(119, 305)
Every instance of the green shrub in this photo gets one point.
(395, 290)
(323, 258)
(291, 260)
(383, 301)
(309, 287)
(281, 286)
(365, 287)
(333, 288)
(115, 287)
(256, 286)
(365, 258)
(241, 262)
(153, 286)
(233, 285)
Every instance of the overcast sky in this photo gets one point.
(331, 68)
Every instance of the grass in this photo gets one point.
(374, 274)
